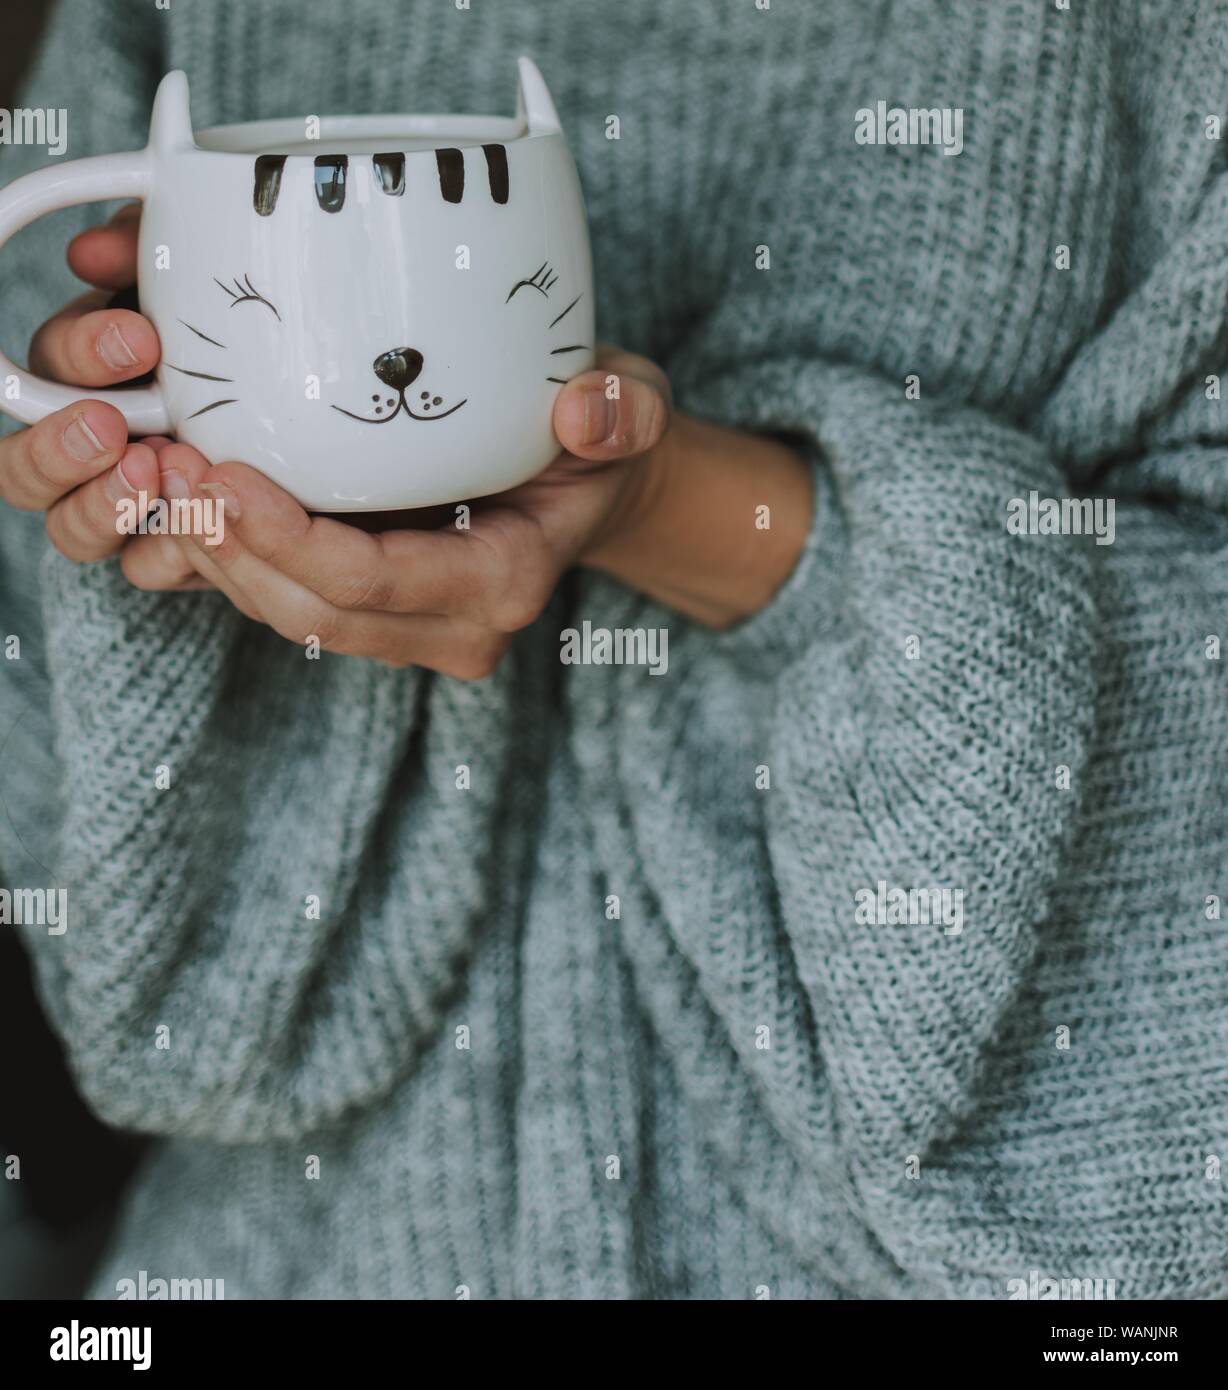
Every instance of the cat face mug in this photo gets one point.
(380, 317)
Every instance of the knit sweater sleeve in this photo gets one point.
(931, 702)
(910, 700)
(267, 914)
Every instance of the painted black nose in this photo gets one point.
(398, 368)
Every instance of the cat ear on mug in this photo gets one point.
(534, 106)
(170, 126)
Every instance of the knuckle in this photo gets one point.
(10, 494)
(651, 420)
(516, 583)
(324, 624)
(42, 458)
(371, 589)
(136, 567)
(168, 555)
(131, 568)
(396, 660)
(95, 521)
(73, 346)
(476, 660)
(64, 535)
(517, 608)
(498, 570)
(225, 552)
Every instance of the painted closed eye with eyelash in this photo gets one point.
(541, 280)
(244, 293)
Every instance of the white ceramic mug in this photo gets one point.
(377, 318)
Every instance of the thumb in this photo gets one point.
(619, 409)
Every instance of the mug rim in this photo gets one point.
(245, 139)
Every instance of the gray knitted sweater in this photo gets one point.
(610, 1019)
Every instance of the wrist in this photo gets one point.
(711, 524)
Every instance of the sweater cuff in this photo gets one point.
(807, 603)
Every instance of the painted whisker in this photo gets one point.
(204, 376)
(568, 310)
(213, 406)
(205, 336)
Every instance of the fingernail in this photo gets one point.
(81, 442)
(227, 496)
(175, 486)
(599, 415)
(117, 486)
(114, 351)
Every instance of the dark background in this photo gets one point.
(52, 1222)
(23, 22)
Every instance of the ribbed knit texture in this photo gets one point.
(917, 1126)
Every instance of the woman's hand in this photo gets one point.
(665, 503)
(448, 598)
(77, 463)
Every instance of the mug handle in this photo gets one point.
(92, 180)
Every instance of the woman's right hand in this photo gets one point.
(77, 463)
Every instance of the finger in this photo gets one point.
(302, 617)
(90, 346)
(209, 573)
(254, 585)
(437, 643)
(300, 614)
(106, 256)
(90, 302)
(94, 342)
(88, 524)
(40, 465)
(446, 571)
(159, 562)
(180, 470)
(619, 409)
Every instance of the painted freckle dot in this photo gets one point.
(426, 395)
(375, 397)
(391, 401)
(437, 400)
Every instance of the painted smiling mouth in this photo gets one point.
(402, 405)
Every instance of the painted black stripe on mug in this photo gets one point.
(268, 182)
(330, 181)
(390, 173)
(496, 168)
(451, 164)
